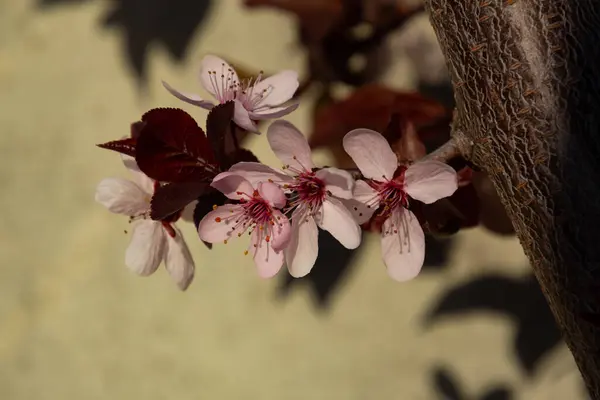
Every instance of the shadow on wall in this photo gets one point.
(144, 23)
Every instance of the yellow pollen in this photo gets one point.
(225, 241)
(245, 252)
(214, 207)
(268, 239)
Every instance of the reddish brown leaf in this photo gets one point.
(244, 155)
(173, 148)
(123, 146)
(173, 197)
(218, 130)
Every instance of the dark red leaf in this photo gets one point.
(244, 155)
(173, 197)
(173, 148)
(205, 205)
(123, 146)
(218, 131)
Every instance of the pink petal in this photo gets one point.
(403, 245)
(233, 185)
(272, 112)
(277, 89)
(272, 193)
(255, 172)
(147, 247)
(219, 82)
(121, 196)
(219, 225)
(337, 220)
(190, 98)
(303, 249)
(267, 260)
(337, 181)
(282, 231)
(371, 153)
(242, 118)
(290, 145)
(429, 181)
(178, 260)
(364, 203)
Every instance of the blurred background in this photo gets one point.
(75, 324)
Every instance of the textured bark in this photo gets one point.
(526, 75)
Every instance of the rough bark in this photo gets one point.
(526, 75)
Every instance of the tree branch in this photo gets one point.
(527, 90)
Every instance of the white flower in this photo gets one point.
(314, 196)
(256, 99)
(151, 241)
(386, 190)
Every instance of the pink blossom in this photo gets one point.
(151, 241)
(256, 212)
(256, 99)
(314, 196)
(387, 190)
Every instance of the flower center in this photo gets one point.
(390, 194)
(223, 83)
(249, 96)
(253, 213)
(308, 193)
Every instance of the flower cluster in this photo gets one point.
(178, 169)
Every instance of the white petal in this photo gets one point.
(121, 196)
(233, 186)
(242, 119)
(429, 181)
(281, 231)
(371, 153)
(272, 112)
(268, 261)
(403, 245)
(142, 180)
(277, 89)
(219, 225)
(303, 249)
(337, 220)
(255, 172)
(339, 182)
(147, 247)
(290, 145)
(223, 78)
(178, 260)
(190, 98)
(272, 193)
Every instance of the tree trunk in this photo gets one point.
(526, 75)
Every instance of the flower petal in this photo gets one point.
(178, 260)
(142, 180)
(241, 117)
(272, 112)
(255, 172)
(190, 98)
(281, 232)
(371, 153)
(232, 185)
(277, 89)
(219, 225)
(122, 196)
(364, 203)
(147, 247)
(217, 76)
(290, 145)
(267, 260)
(337, 181)
(303, 249)
(337, 220)
(272, 194)
(429, 181)
(403, 245)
